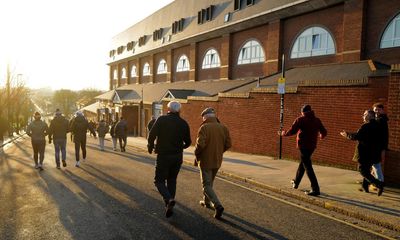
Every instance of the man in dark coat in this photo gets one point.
(121, 132)
(79, 129)
(59, 127)
(382, 120)
(368, 149)
(308, 128)
(173, 135)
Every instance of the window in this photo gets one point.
(115, 74)
(314, 41)
(251, 52)
(133, 71)
(183, 64)
(162, 67)
(391, 36)
(205, 14)
(239, 3)
(123, 74)
(211, 59)
(146, 69)
(177, 26)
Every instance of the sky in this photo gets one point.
(64, 44)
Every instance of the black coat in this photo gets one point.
(172, 133)
(368, 150)
(59, 127)
(79, 128)
(384, 130)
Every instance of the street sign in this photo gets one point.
(281, 85)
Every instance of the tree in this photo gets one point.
(64, 100)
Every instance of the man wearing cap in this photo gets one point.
(308, 128)
(79, 129)
(172, 134)
(38, 130)
(212, 141)
(58, 134)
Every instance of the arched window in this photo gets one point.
(115, 74)
(183, 64)
(146, 69)
(133, 71)
(314, 41)
(391, 36)
(211, 59)
(251, 52)
(123, 74)
(162, 67)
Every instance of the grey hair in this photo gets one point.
(174, 106)
(208, 115)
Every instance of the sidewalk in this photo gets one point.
(339, 190)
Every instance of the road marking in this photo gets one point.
(308, 210)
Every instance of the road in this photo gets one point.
(112, 196)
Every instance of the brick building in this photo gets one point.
(341, 56)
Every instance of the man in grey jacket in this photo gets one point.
(38, 130)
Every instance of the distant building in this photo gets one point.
(228, 53)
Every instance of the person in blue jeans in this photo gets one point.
(173, 135)
(59, 127)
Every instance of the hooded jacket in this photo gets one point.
(59, 127)
(37, 130)
(79, 128)
(307, 128)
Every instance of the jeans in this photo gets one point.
(59, 145)
(114, 142)
(122, 139)
(377, 170)
(81, 143)
(101, 143)
(38, 149)
(207, 180)
(306, 166)
(167, 169)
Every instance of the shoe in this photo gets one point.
(218, 212)
(36, 166)
(114, 149)
(64, 163)
(169, 209)
(312, 193)
(77, 164)
(58, 167)
(40, 166)
(294, 185)
(205, 204)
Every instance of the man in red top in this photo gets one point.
(308, 128)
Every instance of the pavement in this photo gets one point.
(340, 191)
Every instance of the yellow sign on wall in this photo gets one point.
(281, 85)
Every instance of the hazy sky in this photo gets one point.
(65, 43)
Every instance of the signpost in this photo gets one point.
(281, 91)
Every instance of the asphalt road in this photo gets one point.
(112, 196)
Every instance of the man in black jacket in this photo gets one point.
(121, 132)
(382, 120)
(173, 135)
(79, 127)
(59, 127)
(368, 149)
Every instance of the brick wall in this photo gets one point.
(392, 163)
(131, 64)
(203, 47)
(253, 122)
(143, 61)
(157, 58)
(177, 53)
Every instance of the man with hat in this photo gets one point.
(212, 141)
(58, 133)
(307, 127)
(173, 135)
(38, 130)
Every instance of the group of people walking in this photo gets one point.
(169, 135)
(78, 126)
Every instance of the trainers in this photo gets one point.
(58, 167)
(312, 193)
(40, 166)
(205, 204)
(64, 163)
(294, 185)
(77, 164)
(218, 212)
(36, 166)
(169, 209)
